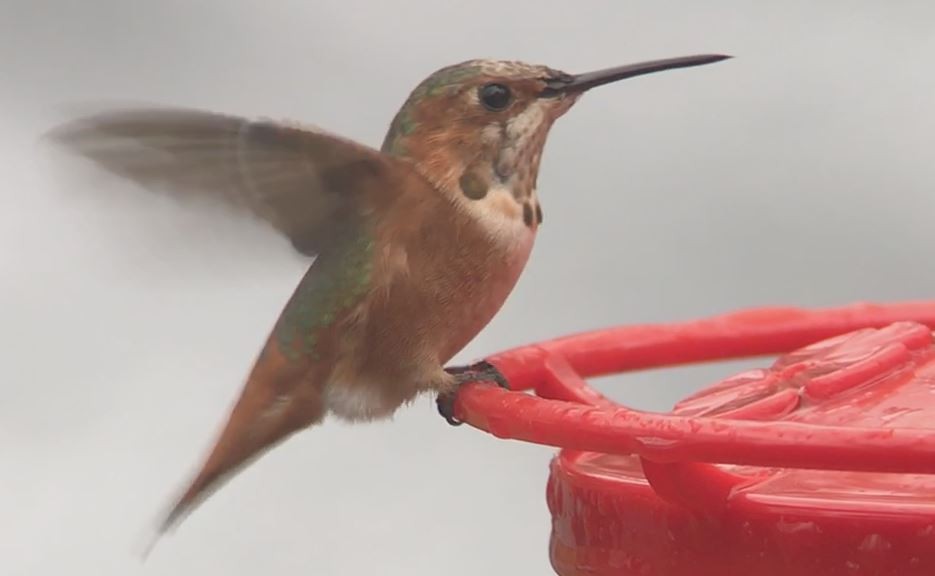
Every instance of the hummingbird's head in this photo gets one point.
(479, 124)
(479, 127)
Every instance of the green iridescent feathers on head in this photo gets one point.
(442, 81)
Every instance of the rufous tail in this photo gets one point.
(281, 397)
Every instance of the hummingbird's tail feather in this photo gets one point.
(281, 397)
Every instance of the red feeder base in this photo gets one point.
(822, 464)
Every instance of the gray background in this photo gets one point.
(799, 173)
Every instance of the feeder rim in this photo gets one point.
(565, 412)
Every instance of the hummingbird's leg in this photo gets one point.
(479, 372)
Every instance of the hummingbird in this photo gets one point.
(416, 245)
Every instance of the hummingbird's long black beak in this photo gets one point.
(588, 80)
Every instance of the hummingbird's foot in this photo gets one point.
(479, 372)
(482, 371)
(446, 407)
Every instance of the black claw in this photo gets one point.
(446, 407)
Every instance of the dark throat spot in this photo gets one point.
(527, 214)
(473, 186)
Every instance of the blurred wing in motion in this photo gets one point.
(306, 183)
(315, 188)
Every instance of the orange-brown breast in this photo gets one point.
(439, 279)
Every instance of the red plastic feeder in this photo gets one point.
(822, 464)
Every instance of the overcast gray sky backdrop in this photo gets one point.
(800, 172)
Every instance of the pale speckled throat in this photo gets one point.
(487, 161)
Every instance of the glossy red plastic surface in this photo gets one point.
(821, 464)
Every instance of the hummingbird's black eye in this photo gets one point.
(495, 96)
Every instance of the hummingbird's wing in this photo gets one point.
(312, 186)
(306, 183)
